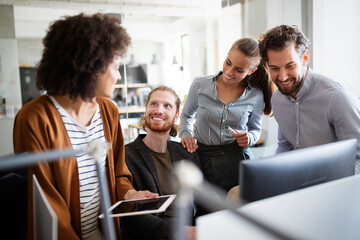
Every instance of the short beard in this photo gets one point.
(162, 129)
(295, 88)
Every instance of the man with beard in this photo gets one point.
(150, 158)
(309, 108)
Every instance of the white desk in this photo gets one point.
(326, 211)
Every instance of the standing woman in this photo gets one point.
(235, 97)
(78, 70)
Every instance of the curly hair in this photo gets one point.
(77, 50)
(260, 78)
(281, 37)
(174, 129)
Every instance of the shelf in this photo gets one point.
(131, 109)
(131, 85)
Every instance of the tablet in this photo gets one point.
(140, 206)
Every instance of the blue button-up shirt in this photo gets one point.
(212, 115)
(323, 112)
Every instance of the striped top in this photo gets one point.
(212, 115)
(88, 180)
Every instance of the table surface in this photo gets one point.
(326, 211)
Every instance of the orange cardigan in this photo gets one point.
(38, 126)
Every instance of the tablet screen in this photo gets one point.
(140, 206)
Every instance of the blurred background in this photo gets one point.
(174, 41)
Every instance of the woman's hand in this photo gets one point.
(242, 138)
(133, 194)
(190, 144)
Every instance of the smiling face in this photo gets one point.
(161, 111)
(287, 69)
(236, 67)
(106, 83)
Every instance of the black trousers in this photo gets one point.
(220, 163)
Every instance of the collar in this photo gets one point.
(221, 72)
(216, 75)
(140, 143)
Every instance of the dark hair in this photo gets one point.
(260, 78)
(174, 128)
(77, 50)
(281, 37)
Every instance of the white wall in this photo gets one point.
(30, 50)
(291, 13)
(34, 25)
(336, 30)
(257, 18)
(283, 12)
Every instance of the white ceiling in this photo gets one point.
(141, 17)
(171, 8)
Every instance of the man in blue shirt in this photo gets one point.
(309, 108)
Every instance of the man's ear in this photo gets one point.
(305, 58)
(176, 117)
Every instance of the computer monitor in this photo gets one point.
(134, 73)
(45, 219)
(293, 170)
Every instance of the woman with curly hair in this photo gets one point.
(78, 71)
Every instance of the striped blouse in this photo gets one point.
(80, 136)
(212, 115)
